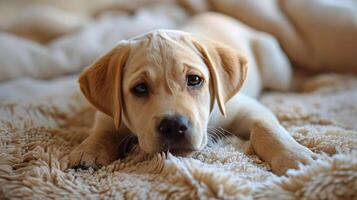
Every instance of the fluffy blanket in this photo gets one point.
(43, 119)
(36, 135)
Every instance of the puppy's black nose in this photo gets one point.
(174, 127)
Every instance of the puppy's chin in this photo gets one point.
(177, 151)
(174, 151)
(182, 152)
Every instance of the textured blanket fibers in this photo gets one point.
(35, 136)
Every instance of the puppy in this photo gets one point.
(167, 87)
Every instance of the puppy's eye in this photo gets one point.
(194, 81)
(140, 90)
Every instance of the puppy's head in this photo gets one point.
(163, 85)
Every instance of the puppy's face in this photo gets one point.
(166, 95)
(162, 86)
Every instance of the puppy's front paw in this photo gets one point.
(290, 159)
(89, 156)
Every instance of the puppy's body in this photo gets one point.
(175, 114)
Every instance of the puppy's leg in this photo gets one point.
(269, 139)
(274, 66)
(101, 147)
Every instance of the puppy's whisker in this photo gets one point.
(216, 134)
(125, 138)
(216, 131)
(127, 143)
(212, 140)
(212, 135)
(224, 134)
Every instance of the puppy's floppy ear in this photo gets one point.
(228, 69)
(101, 82)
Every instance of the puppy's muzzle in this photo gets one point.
(175, 127)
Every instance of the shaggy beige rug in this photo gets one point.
(322, 115)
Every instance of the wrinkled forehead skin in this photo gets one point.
(163, 53)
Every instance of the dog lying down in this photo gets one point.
(168, 87)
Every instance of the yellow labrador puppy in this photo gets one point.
(167, 87)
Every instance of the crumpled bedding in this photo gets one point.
(319, 35)
(43, 116)
(70, 53)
